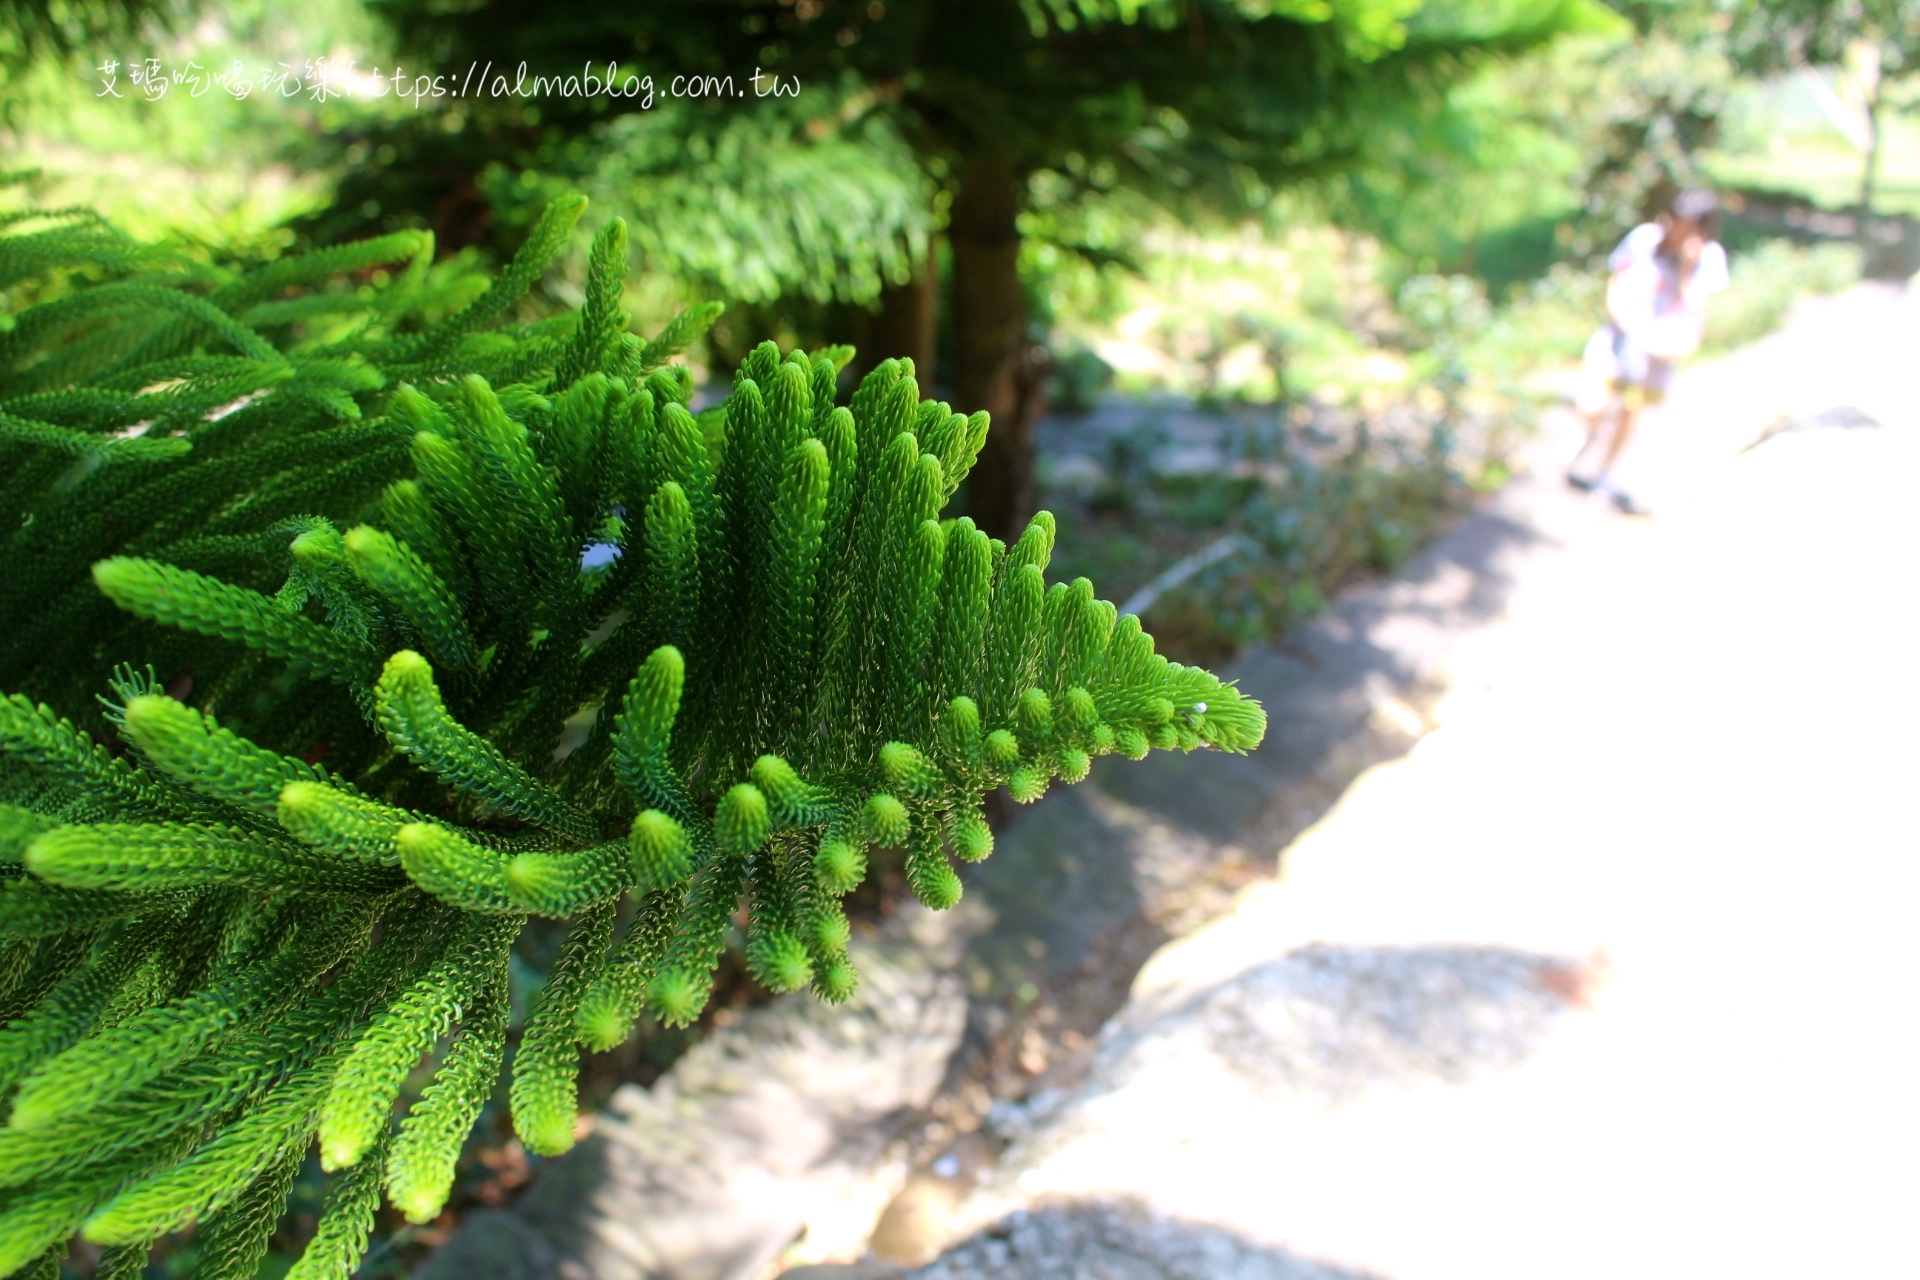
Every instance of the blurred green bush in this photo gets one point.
(1768, 280)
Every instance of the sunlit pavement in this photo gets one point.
(1675, 791)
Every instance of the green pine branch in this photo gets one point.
(339, 706)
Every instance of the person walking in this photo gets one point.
(1662, 275)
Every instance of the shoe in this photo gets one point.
(1583, 483)
(1627, 503)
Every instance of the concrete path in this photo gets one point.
(1614, 973)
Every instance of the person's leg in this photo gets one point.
(1596, 397)
(1623, 425)
(1634, 400)
(1596, 421)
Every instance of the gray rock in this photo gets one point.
(1332, 1020)
(1117, 1241)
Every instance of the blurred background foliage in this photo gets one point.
(1376, 223)
(1261, 293)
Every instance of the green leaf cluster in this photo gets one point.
(473, 621)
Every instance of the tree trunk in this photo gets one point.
(906, 325)
(1869, 59)
(994, 367)
(1868, 177)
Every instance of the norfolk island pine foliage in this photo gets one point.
(354, 521)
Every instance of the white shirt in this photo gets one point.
(1647, 300)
